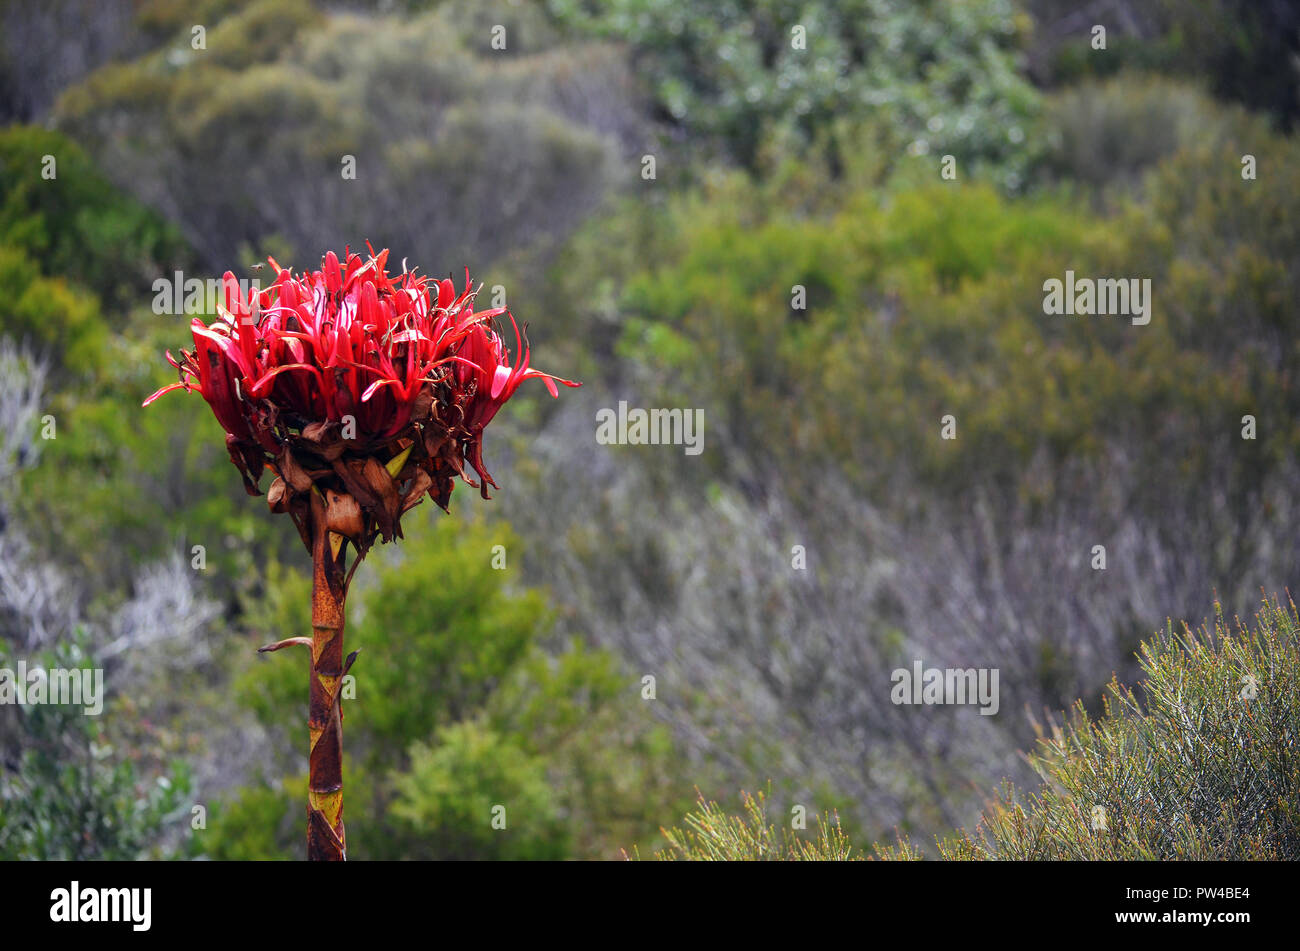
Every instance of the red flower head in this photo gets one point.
(356, 383)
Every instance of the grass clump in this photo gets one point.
(710, 834)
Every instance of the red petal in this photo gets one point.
(370, 390)
(227, 346)
(499, 380)
(256, 390)
(165, 389)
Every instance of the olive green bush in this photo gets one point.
(710, 834)
(1196, 763)
(294, 128)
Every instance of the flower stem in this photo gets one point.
(325, 836)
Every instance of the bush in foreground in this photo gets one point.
(1200, 762)
(711, 835)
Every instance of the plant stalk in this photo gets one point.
(326, 841)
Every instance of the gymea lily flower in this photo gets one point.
(361, 391)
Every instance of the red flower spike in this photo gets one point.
(350, 362)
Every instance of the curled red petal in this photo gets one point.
(259, 388)
(378, 385)
(165, 389)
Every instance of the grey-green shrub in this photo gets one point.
(1199, 762)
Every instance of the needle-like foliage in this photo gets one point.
(1201, 762)
(711, 834)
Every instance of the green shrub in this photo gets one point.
(923, 301)
(712, 835)
(76, 225)
(73, 790)
(473, 793)
(1198, 763)
(1107, 134)
(941, 76)
(458, 153)
(54, 319)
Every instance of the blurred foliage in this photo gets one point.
(71, 223)
(41, 54)
(54, 320)
(927, 300)
(72, 791)
(940, 76)
(1108, 134)
(1199, 764)
(1247, 51)
(410, 133)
